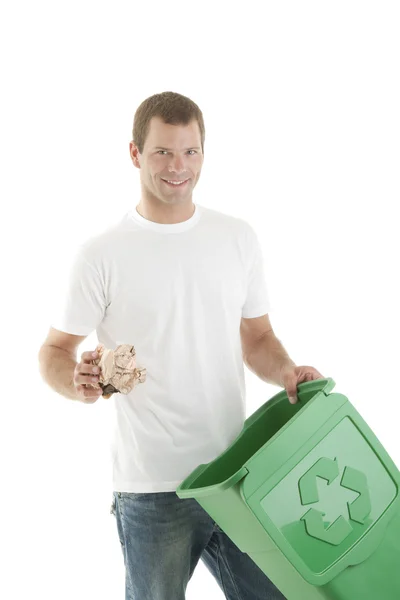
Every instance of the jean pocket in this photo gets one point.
(113, 506)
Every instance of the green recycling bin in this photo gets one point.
(311, 495)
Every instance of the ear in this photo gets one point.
(134, 153)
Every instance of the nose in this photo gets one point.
(176, 164)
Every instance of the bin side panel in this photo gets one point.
(232, 515)
(378, 576)
(323, 506)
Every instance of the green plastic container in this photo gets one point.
(311, 495)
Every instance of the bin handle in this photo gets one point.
(325, 385)
(195, 474)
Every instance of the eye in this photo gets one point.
(158, 151)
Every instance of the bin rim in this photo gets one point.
(324, 386)
(320, 386)
(185, 491)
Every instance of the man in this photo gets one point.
(184, 285)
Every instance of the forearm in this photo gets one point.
(267, 358)
(57, 369)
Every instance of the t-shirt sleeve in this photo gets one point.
(81, 302)
(257, 302)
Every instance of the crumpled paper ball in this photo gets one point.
(118, 371)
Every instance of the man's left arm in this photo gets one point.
(265, 356)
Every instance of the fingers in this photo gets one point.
(86, 377)
(88, 393)
(87, 357)
(85, 371)
(80, 379)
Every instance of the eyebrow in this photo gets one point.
(190, 148)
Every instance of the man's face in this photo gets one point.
(170, 153)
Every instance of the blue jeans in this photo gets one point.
(163, 537)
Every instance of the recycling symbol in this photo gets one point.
(358, 509)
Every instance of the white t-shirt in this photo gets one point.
(177, 293)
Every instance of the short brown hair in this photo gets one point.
(173, 108)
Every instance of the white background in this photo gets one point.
(301, 107)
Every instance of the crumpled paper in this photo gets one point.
(118, 371)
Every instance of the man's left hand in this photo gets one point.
(292, 376)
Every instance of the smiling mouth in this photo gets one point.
(175, 183)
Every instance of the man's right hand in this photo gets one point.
(83, 374)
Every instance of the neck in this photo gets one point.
(167, 214)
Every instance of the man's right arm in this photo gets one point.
(57, 362)
(57, 368)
